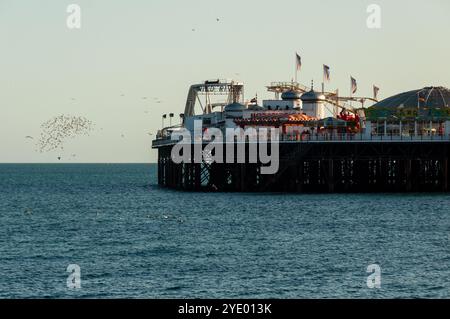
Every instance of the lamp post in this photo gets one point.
(163, 117)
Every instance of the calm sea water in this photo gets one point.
(133, 239)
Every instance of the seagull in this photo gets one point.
(193, 30)
(217, 19)
(59, 158)
(144, 98)
(30, 137)
(123, 135)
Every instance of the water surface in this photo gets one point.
(133, 239)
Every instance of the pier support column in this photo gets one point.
(159, 168)
(242, 180)
(330, 179)
(197, 176)
(300, 177)
(382, 180)
(445, 173)
(314, 168)
(191, 176)
(408, 173)
(362, 175)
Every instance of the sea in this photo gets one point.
(109, 231)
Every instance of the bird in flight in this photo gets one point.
(30, 137)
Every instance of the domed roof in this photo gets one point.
(291, 95)
(312, 96)
(233, 107)
(428, 97)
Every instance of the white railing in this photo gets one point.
(323, 137)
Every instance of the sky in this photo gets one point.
(128, 50)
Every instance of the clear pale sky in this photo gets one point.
(146, 48)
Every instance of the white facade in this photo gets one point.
(210, 119)
(314, 109)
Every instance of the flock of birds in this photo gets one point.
(60, 128)
(56, 131)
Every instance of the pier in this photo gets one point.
(399, 144)
(323, 166)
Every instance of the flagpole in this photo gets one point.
(336, 108)
(296, 67)
(323, 80)
(351, 92)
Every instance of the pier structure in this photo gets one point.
(401, 144)
(323, 166)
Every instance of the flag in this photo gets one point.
(298, 60)
(354, 85)
(375, 92)
(326, 73)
